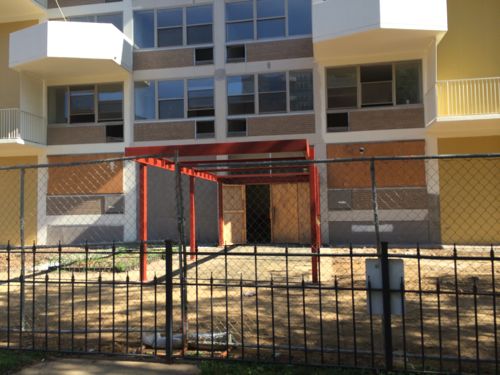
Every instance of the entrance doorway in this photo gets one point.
(258, 198)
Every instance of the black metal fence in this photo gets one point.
(402, 309)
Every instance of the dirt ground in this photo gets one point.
(327, 321)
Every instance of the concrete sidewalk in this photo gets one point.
(72, 366)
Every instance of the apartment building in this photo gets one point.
(88, 79)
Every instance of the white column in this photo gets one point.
(130, 196)
(320, 153)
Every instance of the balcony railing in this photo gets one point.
(16, 124)
(469, 97)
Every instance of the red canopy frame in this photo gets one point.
(157, 156)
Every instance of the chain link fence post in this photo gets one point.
(22, 175)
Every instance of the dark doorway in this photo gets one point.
(258, 202)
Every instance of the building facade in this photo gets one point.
(84, 79)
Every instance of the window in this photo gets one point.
(170, 99)
(337, 122)
(144, 29)
(85, 103)
(376, 85)
(203, 56)
(169, 28)
(200, 97)
(199, 24)
(342, 88)
(408, 78)
(270, 19)
(240, 95)
(262, 19)
(301, 90)
(114, 133)
(81, 104)
(110, 102)
(144, 99)
(114, 18)
(174, 27)
(236, 127)
(236, 53)
(205, 129)
(272, 92)
(239, 21)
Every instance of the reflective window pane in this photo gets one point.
(301, 90)
(272, 92)
(242, 10)
(272, 82)
(110, 102)
(342, 88)
(57, 98)
(271, 28)
(272, 102)
(144, 99)
(408, 78)
(239, 31)
(299, 17)
(115, 19)
(200, 97)
(144, 29)
(169, 17)
(168, 109)
(170, 89)
(270, 8)
(199, 34)
(240, 85)
(170, 37)
(199, 15)
(81, 104)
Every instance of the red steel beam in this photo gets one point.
(233, 161)
(192, 218)
(170, 166)
(143, 220)
(226, 148)
(267, 179)
(253, 168)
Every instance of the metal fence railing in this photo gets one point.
(276, 260)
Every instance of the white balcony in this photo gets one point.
(21, 10)
(70, 49)
(346, 30)
(20, 130)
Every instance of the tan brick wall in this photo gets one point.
(70, 3)
(388, 173)
(398, 118)
(173, 58)
(283, 49)
(69, 135)
(165, 130)
(276, 125)
(102, 178)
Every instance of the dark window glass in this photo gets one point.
(170, 37)
(235, 53)
(201, 34)
(270, 8)
(57, 98)
(242, 10)
(115, 19)
(144, 29)
(114, 133)
(144, 99)
(301, 90)
(272, 92)
(408, 78)
(110, 102)
(199, 15)
(168, 109)
(240, 91)
(200, 97)
(271, 28)
(342, 88)
(171, 99)
(205, 129)
(376, 85)
(239, 31)
(337, 122)
(299, 17)
(81, 104)
(204, 55)
(236, 127)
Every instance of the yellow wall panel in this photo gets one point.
(10, 201)
(470, 192)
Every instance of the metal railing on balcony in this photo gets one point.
(469, 97)
(22, 125)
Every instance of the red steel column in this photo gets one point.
(143, 220)
(221, 215)
(314, 217)
(192, 218)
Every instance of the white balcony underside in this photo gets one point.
(70, 49)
